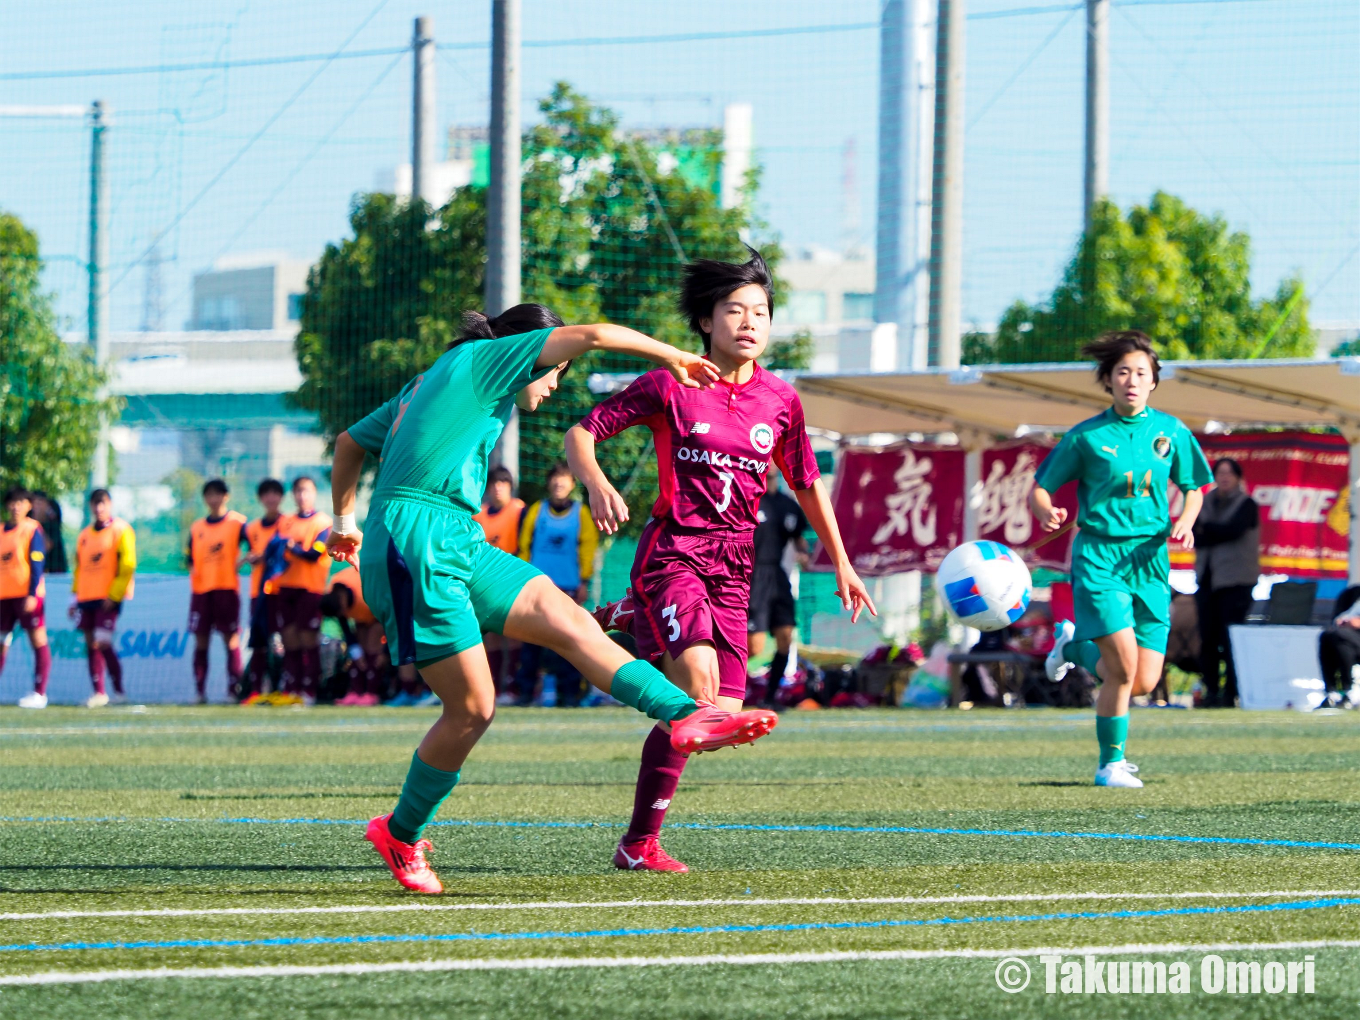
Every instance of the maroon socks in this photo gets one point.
(658, 779)
(115, 668)
(311, 671)
(201, 671)
(42, 668)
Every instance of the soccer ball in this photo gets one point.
(985, 584)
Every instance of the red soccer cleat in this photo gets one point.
(709, 728)
(616, 615)
(406, 860)
(646, 855)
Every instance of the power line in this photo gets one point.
(1024, 66)
(236, 158)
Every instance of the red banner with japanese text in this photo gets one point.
(899, 508)
(1002, 503)
(1300, 480)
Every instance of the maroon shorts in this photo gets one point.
(296, 607)
(215, 611)
(94, 616)
(12, 612)
(690, 587)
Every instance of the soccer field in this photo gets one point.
(853, 864)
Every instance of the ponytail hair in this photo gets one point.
(523, 318)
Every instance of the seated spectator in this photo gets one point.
(1339, 645)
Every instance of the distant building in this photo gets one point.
(831, 297)
(250, 292)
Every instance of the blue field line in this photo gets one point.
(908, 830)
(723, 929)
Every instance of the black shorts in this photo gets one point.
(772, 604)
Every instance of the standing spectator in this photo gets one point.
(1227, 566)
(560, 540)
(47, 512)
(297, 592)
(259, 533)
(501, 517)
(214, 555)
(780, 521)
(23, 555)
(1339, 646)
(106, 558)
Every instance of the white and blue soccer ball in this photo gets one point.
(985, 585)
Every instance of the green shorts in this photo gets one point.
(1119, 583)
(432, 579)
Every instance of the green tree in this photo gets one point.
(49, 403)
(604, 229)
(1178, 275)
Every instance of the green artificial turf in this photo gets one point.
(206, 809)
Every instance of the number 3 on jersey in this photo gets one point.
(726, 477)
(668, 614)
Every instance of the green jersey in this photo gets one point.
(1122, 467)
(437, 434)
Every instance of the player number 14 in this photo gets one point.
(1144, 487)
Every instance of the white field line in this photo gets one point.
(742, 901)
(581, 962)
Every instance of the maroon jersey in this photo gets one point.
(713, 446)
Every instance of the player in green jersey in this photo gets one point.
(1122, 461)
(436, 584)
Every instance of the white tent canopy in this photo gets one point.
(1000, 401)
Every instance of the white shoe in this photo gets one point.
(1056, 664)
(96, 701)
(1119, 773)
(33, 700)
(117, 698)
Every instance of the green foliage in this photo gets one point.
(1179, 276)
(1349, 349)
(794, 353)
(601, 226)
(49, 403)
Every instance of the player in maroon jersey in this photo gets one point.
(692, 573)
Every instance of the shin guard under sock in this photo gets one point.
(658, 778)
(1085, 654)
(1112, 733)
(425, 789)
(94, 660)
(42, 668)
(642, 686)
(115, 668)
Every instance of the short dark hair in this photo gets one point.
(500, 473)
(708, 281)
(269, 485)
(99, 495)
(1236, 467)
(560, 468)
(303, 478)
(524, 318)
(17, 493)
(1108, 348)
(215, 485)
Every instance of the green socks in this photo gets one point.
(1085, 654)
(1111, 732)
(422, 793)
(642, 686)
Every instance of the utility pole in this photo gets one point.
(1097, 179)
(946, 241)
(893, 105)
(423, 118)
(503, 195)
(98, 313)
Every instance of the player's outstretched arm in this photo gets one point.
(817, 509)
(607, 508)
(567, 343)
(1183, 530)
(348, 463)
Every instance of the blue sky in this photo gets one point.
(1249, 108)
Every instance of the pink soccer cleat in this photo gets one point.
(406, 860)
(709, 728)
(616, 615)
(646, 855)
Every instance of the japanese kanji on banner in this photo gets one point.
(899, 509)
(1300, 481)
(1002, 503)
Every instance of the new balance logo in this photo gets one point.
(699, 428)
(661, 803)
